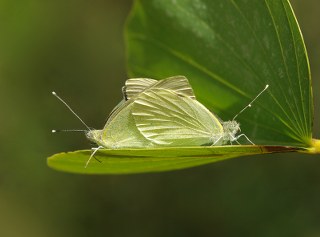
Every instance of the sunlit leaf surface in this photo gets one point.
(128, 161)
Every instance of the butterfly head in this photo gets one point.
(94, 136)
(230, 129)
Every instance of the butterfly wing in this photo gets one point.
(178, 84)
(135, 86)
(132, 87)
(169, 119)
(121, 132)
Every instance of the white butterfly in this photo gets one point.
(161, 114)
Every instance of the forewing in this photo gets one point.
(135, 86)
(122, 104)
(169, 119)
(121, 132)
(178, 84)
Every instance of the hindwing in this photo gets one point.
(170, 119)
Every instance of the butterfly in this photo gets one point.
(162, 113)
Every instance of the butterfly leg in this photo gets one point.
(95, 149)
(243, 135)
(232, 138)
(213, 144)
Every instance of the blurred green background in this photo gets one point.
(77, 49)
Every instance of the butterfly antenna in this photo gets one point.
(249, 105)
(68, 130)
(55, 94)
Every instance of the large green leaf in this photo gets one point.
(126, 161)
(229, 50)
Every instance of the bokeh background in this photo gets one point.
(76, 48)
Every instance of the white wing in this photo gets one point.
(178, 84)
(132, 87)
(121, 132)
(135, 86)
(169, 119)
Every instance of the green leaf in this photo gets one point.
(230, 50)
(126, 161)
